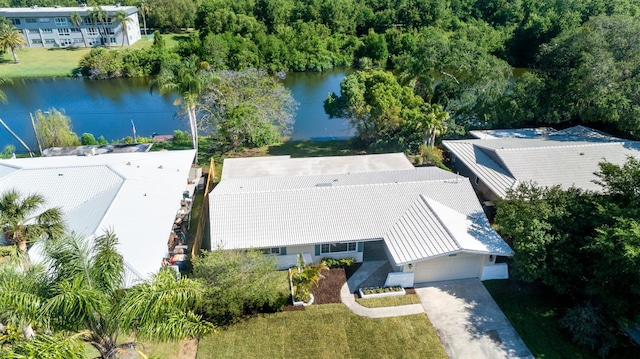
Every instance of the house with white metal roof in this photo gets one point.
(136, 194)
(429, 219)
(498, 160)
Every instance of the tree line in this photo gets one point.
(583, 245)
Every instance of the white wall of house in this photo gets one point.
(289, 254)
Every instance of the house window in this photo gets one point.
(61, 21)
(108, 21)
(88, 20)
(15, 21)
(47, 31)
(65, 42)
(75, 29)
(275, 250)
(36, 41)
(64, 32)
(113, 40)
(44, 19)
(92, 31)
(338, 247)
(31, 21)
(50, 41)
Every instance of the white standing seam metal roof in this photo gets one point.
(135, 194)
(401, 207)
(567, 158)
(282, 166)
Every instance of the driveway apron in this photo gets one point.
(469, 322)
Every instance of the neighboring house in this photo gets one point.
(499, 160)
(429, 219)
(135, 194)
(52, 26)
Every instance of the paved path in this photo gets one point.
(363, 274)
(469, 322)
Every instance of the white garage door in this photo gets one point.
(463, 265)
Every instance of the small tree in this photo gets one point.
(53, 129)
(11, 38)
(88, 139)
(239, 282)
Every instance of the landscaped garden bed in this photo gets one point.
(378, 292)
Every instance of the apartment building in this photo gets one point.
(54, 27)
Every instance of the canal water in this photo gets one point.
(106, 107)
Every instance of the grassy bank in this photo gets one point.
(325, 331)
(60, 62)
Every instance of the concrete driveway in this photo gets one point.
(469, 322)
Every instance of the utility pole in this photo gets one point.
(33, 124)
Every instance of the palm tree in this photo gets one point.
(123, 19)
(83, 291)
(76, 20)
(188, 79)
(99, 16)
(24, 221)
(144, 9)
(11, 38)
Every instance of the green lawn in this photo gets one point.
(389, 301)
(60, 62)
(534, 315)
(156, 350)
(324, 331)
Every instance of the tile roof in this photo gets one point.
(397, 206)
(566, 158)
(135, 194)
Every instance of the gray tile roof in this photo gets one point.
(566, 158)
(389, 205)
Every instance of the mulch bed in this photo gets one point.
(328, 290)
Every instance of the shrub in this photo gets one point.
(338, 263)
(590, 327)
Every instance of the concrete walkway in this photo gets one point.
(367, 273)
(469, 322)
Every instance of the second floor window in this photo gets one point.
(61, 21)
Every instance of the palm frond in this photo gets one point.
(107, 270)
(75, 302)
(177, 325)
(68, 257)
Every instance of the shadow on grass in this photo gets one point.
(310, 148)
(66, 48)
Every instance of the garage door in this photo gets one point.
(463, 265)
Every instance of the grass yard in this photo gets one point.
(157, 350)
(534, 315)
(60, 62)
(389, 301)
(324, 331)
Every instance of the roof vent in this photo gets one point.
(60, 174)
(581, 153)
(128, 163)
(160, 167)
(325, 184)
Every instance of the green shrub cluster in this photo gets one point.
(338, 263)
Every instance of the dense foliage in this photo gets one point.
(239, 282)
(82, 290)
(585, 246)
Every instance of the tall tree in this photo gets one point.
(143, 6)
(187, 79)
(248, 108)
(83, 291)
(100, 16)
(76, 20)
(25, 219)
(11, 38)
(124, 20)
